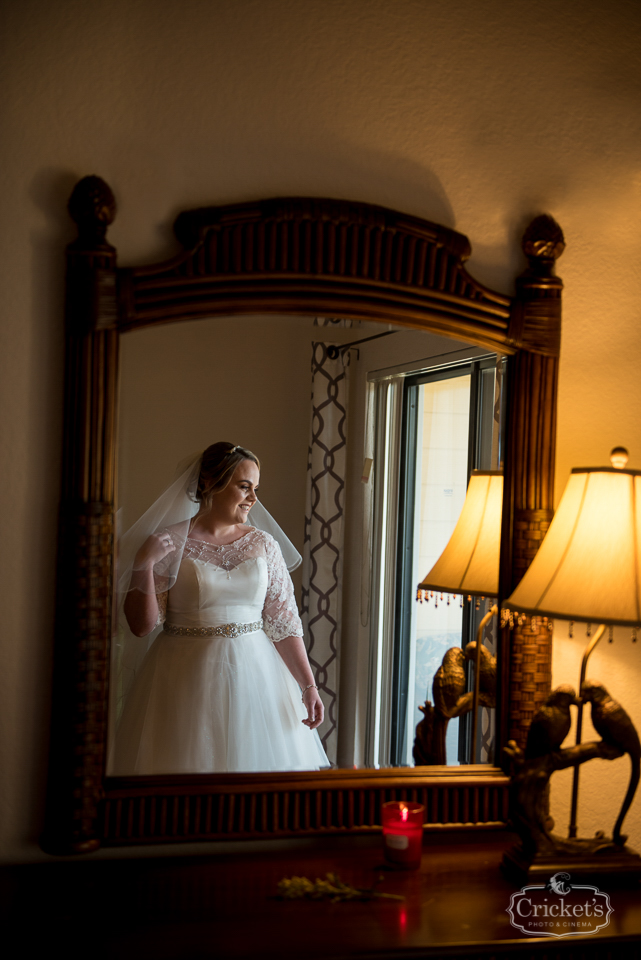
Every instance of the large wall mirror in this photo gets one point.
(185, 384)
(217, 344)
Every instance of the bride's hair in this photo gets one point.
(217, 467)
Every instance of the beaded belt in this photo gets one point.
(222, 630)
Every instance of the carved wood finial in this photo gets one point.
(92, 206)
(543, 241)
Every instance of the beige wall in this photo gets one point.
(242, 379)
(476, 115)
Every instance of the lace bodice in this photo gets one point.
(221, 584)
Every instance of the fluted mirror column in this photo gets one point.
(529, 473)
(85, 557)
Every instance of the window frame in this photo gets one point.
(393, 543)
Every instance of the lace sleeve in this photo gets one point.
(280, 613)
(161, 599)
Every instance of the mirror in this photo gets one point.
(185, 385)
(290, 257)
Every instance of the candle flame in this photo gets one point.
(404, 812)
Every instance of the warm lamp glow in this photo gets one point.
(470, 562)
(589, 564)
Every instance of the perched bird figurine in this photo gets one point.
(449, 682)
(551, 724)
(613, 724)
(487, 679)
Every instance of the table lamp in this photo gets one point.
(588, 567)
(469, 565)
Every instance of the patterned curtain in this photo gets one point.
(487, 727)
(324, 529)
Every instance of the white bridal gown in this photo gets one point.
(203, 704)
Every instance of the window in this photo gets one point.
(433, 428)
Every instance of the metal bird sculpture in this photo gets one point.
(613, 724)
(449, 682)
(487, 684)
(551, 724)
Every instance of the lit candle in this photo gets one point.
(403, 833)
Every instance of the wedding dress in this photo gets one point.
(201, 703)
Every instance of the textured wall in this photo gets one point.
(184, 386)
(477, 115)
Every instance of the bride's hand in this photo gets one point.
(315, 708)
(154, 549)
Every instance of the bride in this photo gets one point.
(226, 685)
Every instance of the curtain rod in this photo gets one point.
(334, 349)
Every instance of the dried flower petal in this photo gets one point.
(331, 888)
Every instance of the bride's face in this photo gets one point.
(234, 502)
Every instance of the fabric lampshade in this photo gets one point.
(470, 562)
(589, 564)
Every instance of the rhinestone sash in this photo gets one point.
(222, 630)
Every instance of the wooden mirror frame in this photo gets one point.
(308, 257)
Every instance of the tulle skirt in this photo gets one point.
(214, 704)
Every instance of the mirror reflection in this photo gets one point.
(365, 434)
(218, 688)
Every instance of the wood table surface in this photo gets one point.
(223, 905)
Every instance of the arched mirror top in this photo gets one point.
(325, 257)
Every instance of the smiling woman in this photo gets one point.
(218, 688)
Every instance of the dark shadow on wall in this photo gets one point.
(49, 191)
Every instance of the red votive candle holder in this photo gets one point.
(403, 833)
